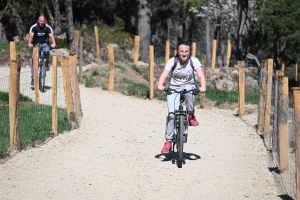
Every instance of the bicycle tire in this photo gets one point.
(181, 131)
(42, 78)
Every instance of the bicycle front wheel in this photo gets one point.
(181, 131)
(42, 79)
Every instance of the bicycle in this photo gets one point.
(42, 68)
(180, 123)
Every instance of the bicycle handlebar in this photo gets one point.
(194, 91)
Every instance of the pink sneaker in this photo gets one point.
(167, 147)
(192, 120)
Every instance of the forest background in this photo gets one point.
(268, 26)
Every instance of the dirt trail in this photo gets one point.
(115, 154)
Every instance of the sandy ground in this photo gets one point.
(115, 154)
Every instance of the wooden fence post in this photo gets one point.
(194, 49)
(151, 66)
(262, 97)
(268, 101)
(67, 89)
(204, 72)
(75, 42)
(241, 66)
(111, 58)
(282, 66)
(167, 56)
(296, 72)
(296, 94)
(282, 119)
(136, 49)
(97, 45)
(75, 88)
(214, 54)
(14, 91)
(54, 95)
(228, 52)
(13, 51)
(80, 62)
(36, 74)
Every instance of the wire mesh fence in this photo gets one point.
(276, 123)
(34, 119)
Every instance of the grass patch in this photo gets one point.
(35, 123)
(135, 68)
(122, 68)
(128, 87)
(4, 96)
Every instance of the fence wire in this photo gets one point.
(35, 120)
(281, 146)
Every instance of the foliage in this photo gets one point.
(278, 25)
(110, 34)
(95, 72)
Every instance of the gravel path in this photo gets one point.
(115, 154)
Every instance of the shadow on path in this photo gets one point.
(173, 155)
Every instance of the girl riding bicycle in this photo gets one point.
(182, 77)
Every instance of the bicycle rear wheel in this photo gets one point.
(180, 141)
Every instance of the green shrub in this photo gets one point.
(95, 72)
(89, 82)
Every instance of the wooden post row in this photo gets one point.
(296, 94)
(194, 49)
(214, 54)
(75, 88)
(36, 75)
(167, 55)
(54, 96)
(67, 90)
(111, 58)
(241, 66)
(14, 90)
(282, 121)
(136, 49)
(151, 66)
(204, 72)
(228, 52)
(268, 101)
(97, 45)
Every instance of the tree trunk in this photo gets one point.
(51, 19)
(57, 30)
(208, 40)
(69, 16)
(17, 19)
(3, 38)
(243, 28)
(144, 29)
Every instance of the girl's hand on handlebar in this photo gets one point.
(161, 88)
(202, 89)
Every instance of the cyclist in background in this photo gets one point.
(182, 77)
(39, 35)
